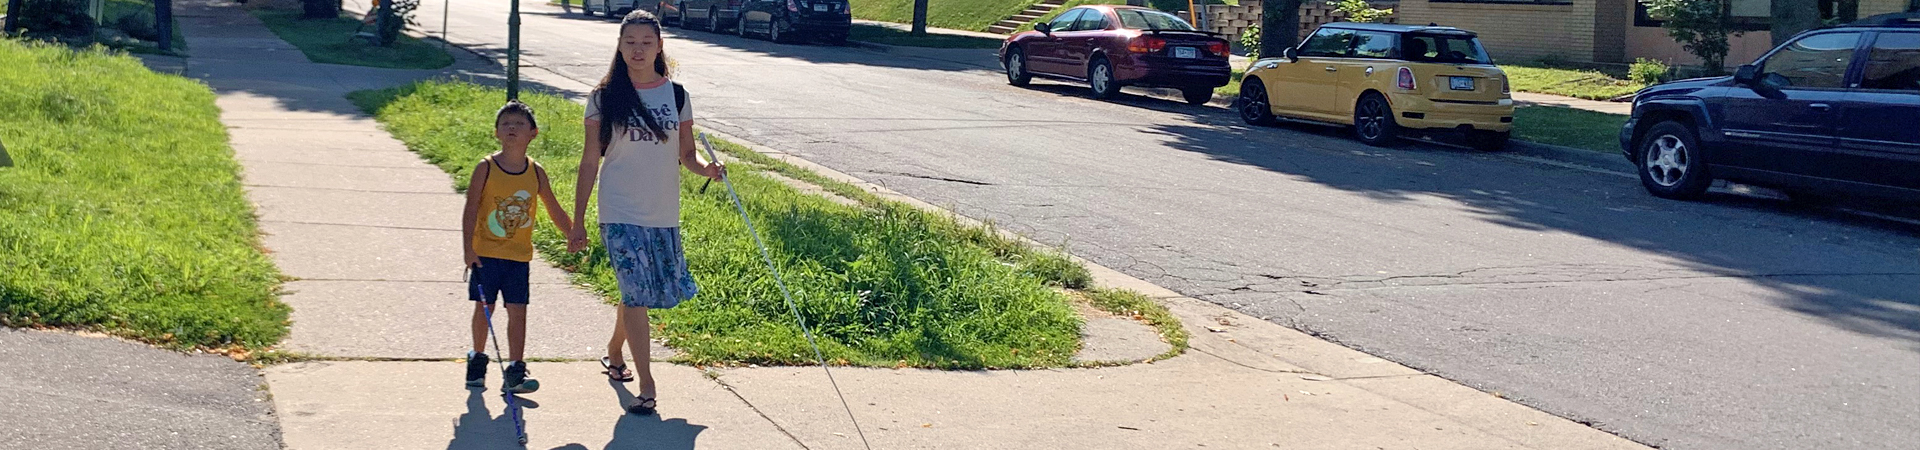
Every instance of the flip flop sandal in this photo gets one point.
(615, 372)
(644, 407)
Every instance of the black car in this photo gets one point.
(785, 20)
(1834, 111)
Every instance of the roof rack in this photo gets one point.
(1889, 20)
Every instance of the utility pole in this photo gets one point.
(919, 18)
(163, 19)
(380, 23)
(513, 51)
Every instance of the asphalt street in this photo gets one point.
(1737, 322)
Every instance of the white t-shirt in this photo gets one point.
(640, 176)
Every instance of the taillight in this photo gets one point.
(1503, 84)
(1217, 48)
(793, 6)
(1146, 44)
(1405, 80)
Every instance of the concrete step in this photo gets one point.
(1025, 17)
(998, 29)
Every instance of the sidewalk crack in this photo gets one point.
(715, 376)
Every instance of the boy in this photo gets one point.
(498, 230)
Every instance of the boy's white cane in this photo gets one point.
(735, 195)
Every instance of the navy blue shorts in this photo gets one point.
(497, 278)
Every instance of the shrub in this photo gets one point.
(140, 25)
(56, 17)
(1648, 71)
(1250, 40)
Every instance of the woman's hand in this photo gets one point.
(576, 239)
(715, 170)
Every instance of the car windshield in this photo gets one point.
(1443, 48)
(1141, 19)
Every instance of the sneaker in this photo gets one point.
(516, 380)
(476, 369)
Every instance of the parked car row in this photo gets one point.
(1834, 112)
(777, 20)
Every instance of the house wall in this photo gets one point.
(1232, 21)
(1520, 31)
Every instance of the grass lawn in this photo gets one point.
(971, 15)
(326, 41)
(1570, 127)
(1070, 4)
(885, 284)
(1581, 83)
(1233, 86)
(890, 36)
(123, 212)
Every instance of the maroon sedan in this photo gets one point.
(1110, 46)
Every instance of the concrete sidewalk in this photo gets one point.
(370, 230)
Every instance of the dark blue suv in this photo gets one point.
(1835, 111)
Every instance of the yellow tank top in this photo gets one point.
(504, 228)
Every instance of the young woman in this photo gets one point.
(639, 130)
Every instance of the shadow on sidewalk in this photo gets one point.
(650, 432)
(479, 429)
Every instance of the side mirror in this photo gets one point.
(1290, 54)
(1043, 28)
(1747, 75)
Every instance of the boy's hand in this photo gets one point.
(473, 261)
(576, 240)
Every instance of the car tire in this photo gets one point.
(1670, 163)
(1373, 121)
(1100, 79)
(1197, 95)
(1016, 65)
(740, 25)
(680, 16)
(1488, 141)
(713, 21)
(1253, 103)
(773, 31)
(584, 10)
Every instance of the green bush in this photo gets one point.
(139, 25)
(56, 17)
(1648, 71)
(1250, 41)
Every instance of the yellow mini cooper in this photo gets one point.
(1386, 81)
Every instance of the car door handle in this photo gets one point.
(1333, 69)
(1821, 107)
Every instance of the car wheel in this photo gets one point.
(713, 21)
(1197, 96)
(740, 26)
(1100, 78)
(1670, 162)
(1253, 103)
(680, 15)
(1488, 141)
(1373, 121)
(1017, 67)
(585, 10)
(773, 31)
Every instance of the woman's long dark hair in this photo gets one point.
(619, 101)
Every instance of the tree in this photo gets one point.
(1279, 26)
(1361, 11)
(13, 17)
(1700, 26)
(1790, 17)
(919, 17)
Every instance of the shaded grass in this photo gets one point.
(1569, 127)
(124, 212)
(1580, 83)
(113, 10)
(883, 284)
(890, 36)
(1232, 88)
(971, 15)
(327, 41)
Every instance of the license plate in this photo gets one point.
(822, 7)
(1186, 52)
(1460, 83)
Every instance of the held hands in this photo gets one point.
(577, 239)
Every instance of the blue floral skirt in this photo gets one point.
(649, 264)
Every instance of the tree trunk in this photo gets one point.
(163, 21)
(1279, 27)
(1790, 17)
(320, 9)
(13, 16)
(919, 17)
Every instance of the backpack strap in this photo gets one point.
(680, 97)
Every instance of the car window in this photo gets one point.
(1894, 62)
(1064, 21)
(1373, 44)
(1327, 42)
(1141, 19)
(1443, 48)
(1093, 19)
(1817, 61)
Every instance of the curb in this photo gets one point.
(882, 48)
